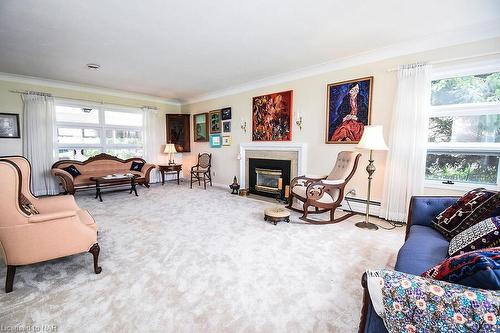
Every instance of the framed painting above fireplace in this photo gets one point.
(272, 117)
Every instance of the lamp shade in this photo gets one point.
(373, 138)
(170, 148)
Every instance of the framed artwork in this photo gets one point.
(226, 140)
(272, 117)
(215, 140)
(200, 127)
(179, 132)
(226, 114)
(348, 110)
(215, 121)
(9, 126)
(226, 126)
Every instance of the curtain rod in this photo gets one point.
(147, 107)
(453, 59)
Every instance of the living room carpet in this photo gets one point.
(176, 259)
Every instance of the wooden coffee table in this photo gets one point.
(106, 182)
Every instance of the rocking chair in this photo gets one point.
(321, 194)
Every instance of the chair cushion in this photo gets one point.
(482, 235)
(477, 269)
(326, 198)
(473, 207)
(72, 170)
(424, 248)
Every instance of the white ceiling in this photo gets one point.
(183, 49)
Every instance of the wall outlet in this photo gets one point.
(213, 173)
(351, 192)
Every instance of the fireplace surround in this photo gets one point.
(268, 177)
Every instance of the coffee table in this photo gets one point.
(113, 181)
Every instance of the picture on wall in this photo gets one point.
(226, 140)
(272, 117)
(179, 131)
(348, 110)
(215, 121)
(226, 114)
(200, 127)
(215, 140)
(226, 126)
(9, 126)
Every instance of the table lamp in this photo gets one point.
(372, 139)
(170, 150)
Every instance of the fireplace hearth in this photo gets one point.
(268, 177)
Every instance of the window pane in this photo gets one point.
(126, 153)
(462, 167)
(77, 115)
(78, 135)
(77, 154)
(118, 136)
(484, 128)
(123, 118)
(466, 89)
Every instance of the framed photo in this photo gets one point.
(226, 140)
(9, 126)
(272, 117)
(215, 121)
(348, 110)
(179, 131)
(226, 126)
(226, 114)
(200, 127)
(215, 140)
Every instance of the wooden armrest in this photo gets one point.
(305, 180)
(51, 216)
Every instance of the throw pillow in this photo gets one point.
(480, 236)
(72, 170)
(136, 166)
(473, 207)
(478, 269)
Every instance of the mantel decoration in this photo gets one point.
(348, 110)
(9, 126)
(272, 117)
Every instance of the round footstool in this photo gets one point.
(277, 214)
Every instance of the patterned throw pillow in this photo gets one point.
(136, 166)
(72, 170)
(474, 206)
(480, 236)
(478, 269)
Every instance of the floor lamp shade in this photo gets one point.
(372, 139)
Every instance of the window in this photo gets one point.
(464, 130)
(84, 131)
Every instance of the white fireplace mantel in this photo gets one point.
(300, 148)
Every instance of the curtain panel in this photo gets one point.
(154, 140)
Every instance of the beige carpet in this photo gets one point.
(181, 260)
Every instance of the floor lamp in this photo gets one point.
(372, 139)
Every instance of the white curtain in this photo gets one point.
(405, 166)
(38, 143)
(154, 140)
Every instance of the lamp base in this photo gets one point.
(366, 225)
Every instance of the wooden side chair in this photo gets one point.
(201, 171)
(321, 194)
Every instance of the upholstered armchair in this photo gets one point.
(321, 194)
(201, 171)
(35, 229)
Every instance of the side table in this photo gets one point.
(170, 168)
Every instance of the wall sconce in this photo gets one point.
(298, 120)
(243, 125)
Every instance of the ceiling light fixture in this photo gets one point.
(93, 67)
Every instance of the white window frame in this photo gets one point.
(101, 127)
(456, 70)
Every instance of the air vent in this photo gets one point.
(93, 67)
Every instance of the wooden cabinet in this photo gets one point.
(179, 131)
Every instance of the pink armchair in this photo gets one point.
(38, 229)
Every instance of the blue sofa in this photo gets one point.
(424, 248)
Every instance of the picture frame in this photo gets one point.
(178, 131)
(272, 117)
(345, 123)
(226, 126)
(226, 113)
(226, 140)
(9, 126)
(215, 121)
(200, 127)
(215, 140)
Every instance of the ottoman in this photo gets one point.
(277, 214)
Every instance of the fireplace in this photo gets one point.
(268, 177)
